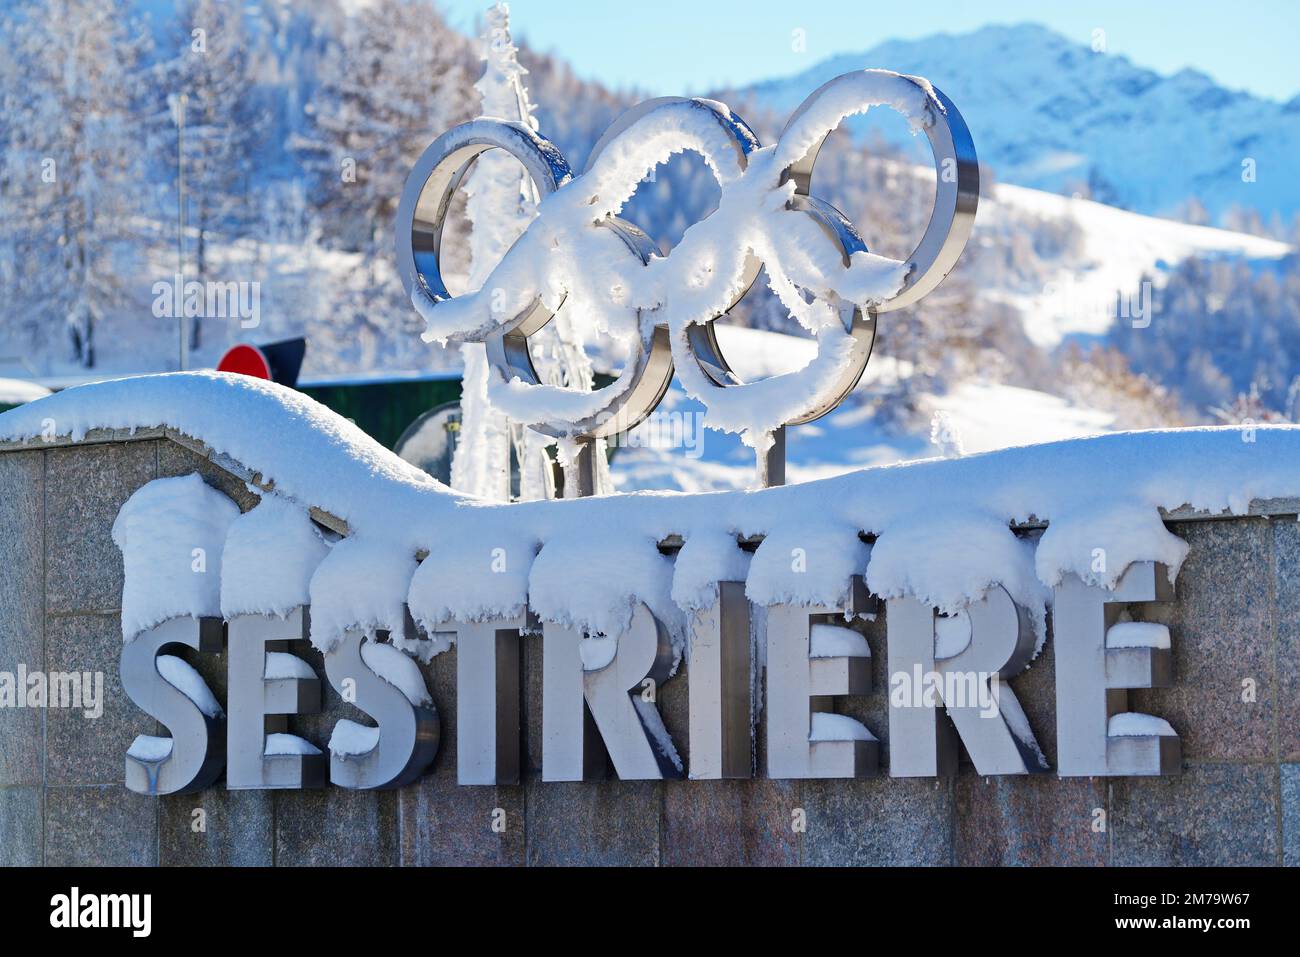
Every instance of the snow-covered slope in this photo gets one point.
(1119, 248)
(1050, 113)
(672, 451)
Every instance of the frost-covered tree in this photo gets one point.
(391, 80)
(222, 124)
(73, 165)
(1100, 378)
(1220, 329)
(14, 261)
(571, 112)
(392, 77)
(287, 40)
(1247, 408)
(500, 202)
(945, 436)
(1244, 219)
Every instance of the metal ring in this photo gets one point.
(649, 370)
(956, 192)
(421, 216)
(739, 135)
(702, 339)
(946, 234)
(742, 138)
(426, 197)
(653, 361)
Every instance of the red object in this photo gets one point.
(245, 360)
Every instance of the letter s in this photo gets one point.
(197, 750)
(397, 751)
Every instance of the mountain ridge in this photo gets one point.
(1051, 114)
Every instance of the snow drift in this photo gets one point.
(939, 528)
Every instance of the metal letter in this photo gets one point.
(919, 745)
(799, 685)
(721, 746)
(408, 733)
(1092, 681)
(1001, 644)
(198, 750)
(617, 711)
(487, 701)
(571, 747)
(629, 721)
(259, 705)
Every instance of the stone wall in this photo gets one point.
(62, 801)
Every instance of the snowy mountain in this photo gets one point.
(1117, 249)
(1049, 113)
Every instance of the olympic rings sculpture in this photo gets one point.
(578, 254)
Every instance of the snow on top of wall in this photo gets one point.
(592, 576)
(940, 524)
(705, 559)
(18, 391)
(809, 559)
(171, 533)
(480, 580)
(270, 555)
(362, 584)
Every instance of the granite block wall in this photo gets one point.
(1236, 703)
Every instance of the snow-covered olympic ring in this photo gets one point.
(578, 254)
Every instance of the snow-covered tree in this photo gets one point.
(74, 162)
(501, 201)
(945, 436)
(222, 124)
(392, 79)
(1100, 378)
(1247, 408)
(1220, 329)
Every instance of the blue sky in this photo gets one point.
(686, 46)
